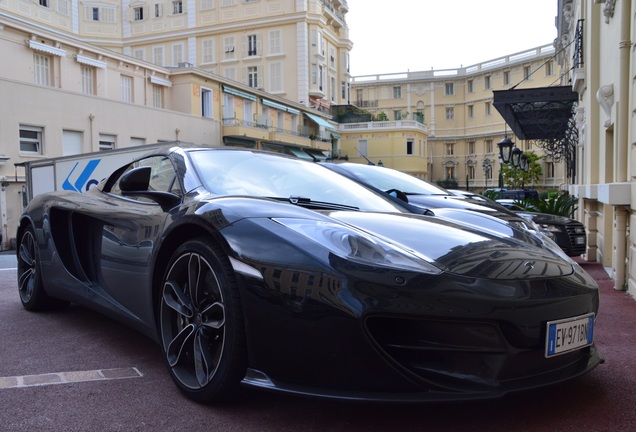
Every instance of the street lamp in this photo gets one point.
(505, 149)
(516, 157)
(524, 163)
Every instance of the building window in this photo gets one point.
(471, 147)
(549, 68)
(526, 72)
(31, 139)
(126, 89)
(42, 69)
(397, 115)
(333, 89)
(471, 111)
(103, 14)
(88, 80)
(488, 145)
(44, 3)
(252, 76)
(527, 145)
(206, 102)
(343, 89)
(177, 7)
(488, 108)
(397, 92)
(139, 14)
(276, 77)
(207, 51)
(450, 149)
(450, 172)
(549, 169)
(449, 89)
(157, 96)
(506, 78)
(450, 113)
(228, 47)
(409, 147)
(251, 45)
(471, 172)
(107, 142)
(470, 86)
(177, 54)
(158, 10)
(487, 82)
(157, 56)
(275, 42)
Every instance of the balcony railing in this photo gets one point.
(578, 59)
(379, 125)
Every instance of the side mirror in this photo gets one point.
(398, 194)
(136, 182)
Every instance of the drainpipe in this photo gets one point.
(621, 145)
(624, 49)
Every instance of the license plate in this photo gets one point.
(580, 240)
(569, 334)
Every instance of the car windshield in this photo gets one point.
(387, 178)
(248, 173)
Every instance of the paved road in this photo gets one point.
(78, 371)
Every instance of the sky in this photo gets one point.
(419, 35)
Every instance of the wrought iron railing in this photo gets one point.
(578, 46)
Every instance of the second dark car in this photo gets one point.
(567, 233)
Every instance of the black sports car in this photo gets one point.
(255, 268)
(568, 234)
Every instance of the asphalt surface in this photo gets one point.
(78, 371)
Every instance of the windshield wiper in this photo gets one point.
(309, 203)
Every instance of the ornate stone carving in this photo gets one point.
(605, 98)
(608, 9)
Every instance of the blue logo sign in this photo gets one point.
(83, 181)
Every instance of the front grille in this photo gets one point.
(578, 237)
(455, 355)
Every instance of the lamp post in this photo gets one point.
(487, 166)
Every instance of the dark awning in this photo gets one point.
(541, 113)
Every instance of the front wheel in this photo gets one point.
(201, 323)
(30, 287)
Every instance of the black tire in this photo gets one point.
(201, 323)
(30, 287)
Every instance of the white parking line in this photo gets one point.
(69, 377)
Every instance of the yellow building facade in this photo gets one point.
(298, 50)
(455, 108)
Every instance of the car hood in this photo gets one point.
(545, 218)
(433, 202)
(461, 250)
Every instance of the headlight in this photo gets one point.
(358, 246)
(549, 228)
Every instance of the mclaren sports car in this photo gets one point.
(255, 269)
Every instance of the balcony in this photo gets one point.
(384, 125)
(233, 127)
